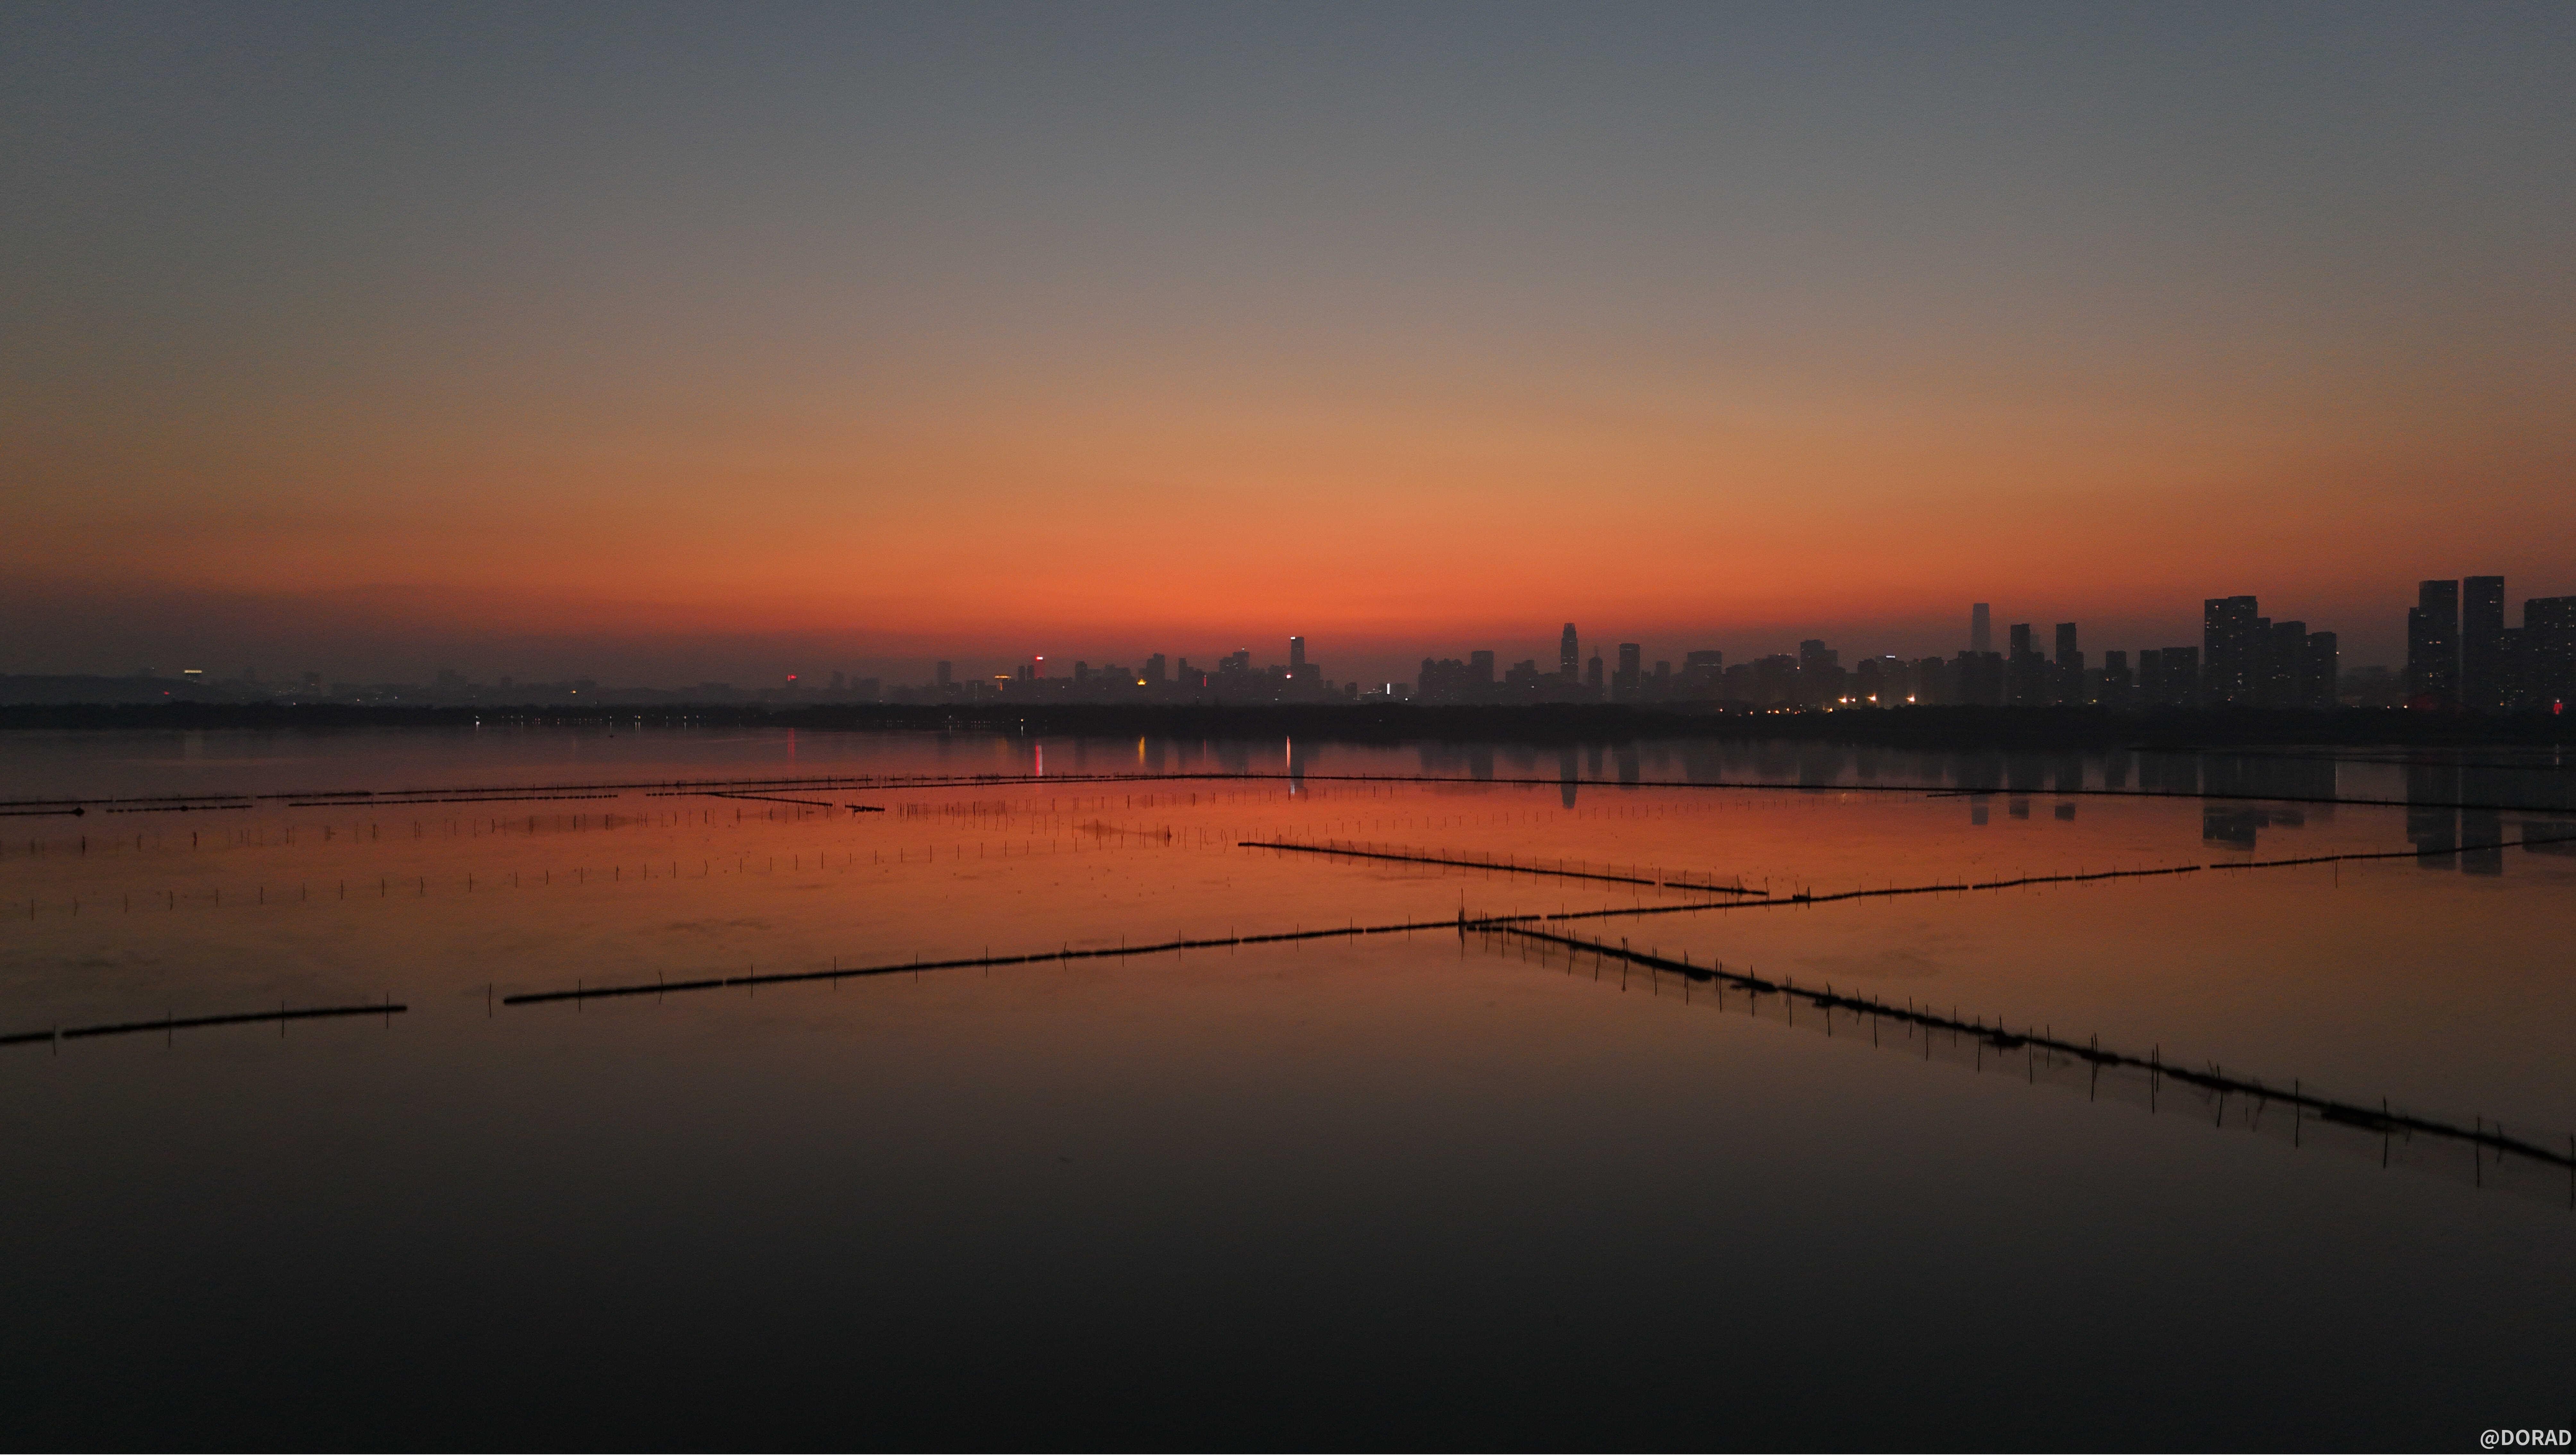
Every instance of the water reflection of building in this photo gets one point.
(2482, 829)
(2432, 813)
(2239, 826)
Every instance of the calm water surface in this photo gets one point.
(1421, 1188)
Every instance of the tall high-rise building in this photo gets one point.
(2069, 673)
(2182, 676)
(2482, 658)
(2548, 669)
(2025, 670)
(1296, 656)
(1155, 669)
(2433, 645)
(2229, 646)
(1592, 674)
(1569, 660)
(2116, 681)
(1624, 685)
(944, 674)
(2320, 673)
(2280, 664)
(1981, 628)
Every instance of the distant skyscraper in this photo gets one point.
(1592, 674)
(1981, 628)
(2069, 671)
(1297, 656)
(1155, 669)
(2025, 670)
(2433, 644)
(2182, 676)
(1631, 656)
(2320, 673)
(2281, 664)
(2229, 647)
(2482, 660)
(2548, 670)
(943, 674)
(1569, 661)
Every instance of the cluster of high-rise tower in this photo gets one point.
(2460, 654)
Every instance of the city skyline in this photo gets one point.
(2461, 655)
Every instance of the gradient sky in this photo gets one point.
(727, 341)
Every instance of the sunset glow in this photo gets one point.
(815, 339)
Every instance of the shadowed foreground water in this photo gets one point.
(1420, 1187)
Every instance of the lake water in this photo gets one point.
(1454, 1184)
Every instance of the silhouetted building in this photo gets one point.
(2177, 676)
(1775, 680)
(2482, 655)
(2116, 682)
(2230, 642)
(1297, 656)
(1155, 670)
(1981, 628)
(942, 676)
(2025, 671)
(1703, 674)
(2320, 670)
(1592, 674)
(2069, 677)
(1450, 680)
(2546, 664)
(1977, 679)
(2279, 662)
(2433, 646)
(1569, 660)
(1624, 686)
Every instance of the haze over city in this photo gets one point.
(615, 344)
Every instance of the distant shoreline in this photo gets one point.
(1927, 727)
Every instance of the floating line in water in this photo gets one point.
(1504, 868)
(2377, 1119)
(185, 808)
(192, 1022)
(431, 802)
(1106, 952)
(1898, 891)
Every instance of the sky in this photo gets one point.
(666, 344)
